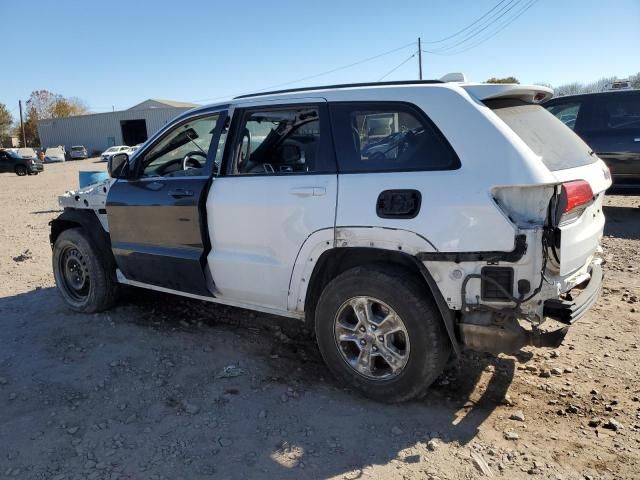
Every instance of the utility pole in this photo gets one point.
(420, 58)
(24, 139)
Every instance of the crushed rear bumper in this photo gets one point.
(570, 311)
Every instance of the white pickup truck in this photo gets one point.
(404, 221)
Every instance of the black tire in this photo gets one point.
(21, 170)
(90, 287)
(409, 298)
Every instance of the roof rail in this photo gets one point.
(342, 85)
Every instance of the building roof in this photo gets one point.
(160, 103)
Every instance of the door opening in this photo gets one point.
(133, 131)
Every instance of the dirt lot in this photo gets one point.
(163, 387)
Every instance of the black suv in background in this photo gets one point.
(609, 122)
(21, 161)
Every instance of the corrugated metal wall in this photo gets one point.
(98, 131)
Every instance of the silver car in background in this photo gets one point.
(54, 154)
(78, 152)
(109, 152)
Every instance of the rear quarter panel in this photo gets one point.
(458, 213)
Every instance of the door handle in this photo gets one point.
(308, 191)
(180, 193)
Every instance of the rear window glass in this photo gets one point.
(549, 138)
(77, 149)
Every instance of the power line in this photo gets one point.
(397, 67)
(482, 23)
(309, 77)
(492, 34)
(467, 27)
(482, 27)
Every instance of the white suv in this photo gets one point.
(404, 221)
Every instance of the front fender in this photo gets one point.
(89, 222)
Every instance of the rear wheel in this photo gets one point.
(379, 331)
(21, 170)
(81, 276)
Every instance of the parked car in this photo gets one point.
(109, 152)
(133, 149)
(21, 161)
(54, 154)
(484, 222)
(78, 152)
(609, 122)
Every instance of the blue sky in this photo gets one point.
(117, 53)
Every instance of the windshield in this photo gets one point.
(53, 151)
(555, 143)
(110, 150)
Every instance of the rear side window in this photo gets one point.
(557, 146)
(567, 113)
(616, 113)
(380, 137)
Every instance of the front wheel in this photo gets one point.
(81, 276)
(380, 332)
(21, 170)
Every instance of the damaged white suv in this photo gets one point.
(404, 221)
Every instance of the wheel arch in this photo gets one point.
(89, 222)
(334, 261)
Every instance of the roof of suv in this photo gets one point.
(341, 86)
(481, 91)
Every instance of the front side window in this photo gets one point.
(385, 137)
(183, 151)
(288, 140)
(567, 113)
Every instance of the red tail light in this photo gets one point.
(575, 194)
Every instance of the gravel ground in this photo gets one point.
(164, 387)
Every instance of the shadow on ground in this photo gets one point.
(158, 354)
(622, 222)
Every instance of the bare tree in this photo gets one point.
(502, 80)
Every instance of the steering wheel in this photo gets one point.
(189, 163)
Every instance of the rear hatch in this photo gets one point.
(582, 177)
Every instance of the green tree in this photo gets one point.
(6, 120)
(43, 104)
(502, 80)
(68, 107)
(5, 125)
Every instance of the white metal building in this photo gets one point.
(99, 131)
